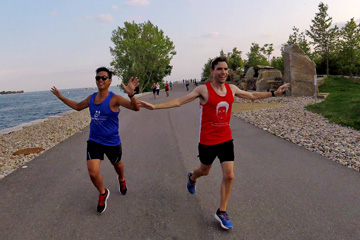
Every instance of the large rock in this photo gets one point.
(268, 79)
(250, 73)
(299, 71)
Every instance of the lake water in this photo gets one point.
(21, 109)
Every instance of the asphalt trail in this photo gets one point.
(281, 191)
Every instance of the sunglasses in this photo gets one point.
(104, 78)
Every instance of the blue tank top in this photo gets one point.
(104, 125)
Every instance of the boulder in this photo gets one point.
(265, 76)
(299, 71)
(250, 73)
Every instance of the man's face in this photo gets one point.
(103, 84)
(220, 72)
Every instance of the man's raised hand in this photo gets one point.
(132, 84)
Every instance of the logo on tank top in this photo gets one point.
(97, 117)
(221, 113)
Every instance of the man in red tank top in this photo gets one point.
(216, 98)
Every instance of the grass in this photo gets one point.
(342, 106)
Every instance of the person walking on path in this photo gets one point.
(157, 88)
(216, 98)
(170, 85)
(104, 129)
(167, 87)
(187, 85)
(154, 90)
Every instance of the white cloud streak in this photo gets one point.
(104, 18)
(214, 35)
(137, 3)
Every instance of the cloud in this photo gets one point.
(53, 13)
(137, 2)
(115, 7)
(104, 18)
(214, 35)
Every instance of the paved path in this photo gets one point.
(281, 191)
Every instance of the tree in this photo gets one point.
(143, 51)
(278, 63)
(322, 35)
(206, 69)
(235, 61)
(255, 57)
(267, 49)
(299, 39)
(349, 48)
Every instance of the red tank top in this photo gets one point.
(215, 117)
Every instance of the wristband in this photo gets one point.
(272, 93)
(130, 96)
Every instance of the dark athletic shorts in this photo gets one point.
(224, 151)
(96, 151)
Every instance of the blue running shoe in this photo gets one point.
(224, 220)
(191, 185)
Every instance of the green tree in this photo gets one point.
(141, 50)
(255, 57)
(278, 63)
(322, 35)
(235, 61)
(206, 69)
(299, 39)
(267, 49)
(349, 48)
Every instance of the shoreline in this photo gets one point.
(44, 134)
(284, 117)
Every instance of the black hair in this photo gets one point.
(104, 69)
(216, 60)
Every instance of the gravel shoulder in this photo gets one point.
(287, 118)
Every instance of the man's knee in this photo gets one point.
(228, 176)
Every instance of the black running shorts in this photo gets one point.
(96, 151)
(224, 151)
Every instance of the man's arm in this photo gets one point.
(132, 104)
(258, 95)
(78, 106)
(177, 102)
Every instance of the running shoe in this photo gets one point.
(191, 185)
(101, 207)
(223, 218)
(122, 186)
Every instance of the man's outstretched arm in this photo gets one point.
(177, 102)
(259, 95)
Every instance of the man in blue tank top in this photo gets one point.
(104, 129)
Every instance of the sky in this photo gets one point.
(45, 43)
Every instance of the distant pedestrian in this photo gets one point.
(157, 88)
(104, 129)
(170, 85)
(167, 87)
(187, 85)
(216, 99)
(154, 90)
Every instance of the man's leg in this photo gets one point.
(203, 170)
(95, 176)
(119, 168)
(227, 182)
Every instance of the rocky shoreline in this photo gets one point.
(290, 121)
(43, 135)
